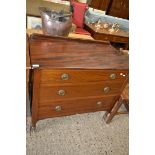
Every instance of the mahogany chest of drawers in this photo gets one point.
(71, 76)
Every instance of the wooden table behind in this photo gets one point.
(103, 34)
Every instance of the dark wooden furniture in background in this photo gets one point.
(73, 76)
(103, 34)
(100, 4)
(116, 8)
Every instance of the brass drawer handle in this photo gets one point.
(64, 76)
(99, 103)
(58, 108)
(61, 92)
(112, 76)
(106, 90)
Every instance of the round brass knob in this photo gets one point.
(106, 90)
(112, 76)
(58, 108)
(99, 103)
(64, 76)
(61, 92)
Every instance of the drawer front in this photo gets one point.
(72, 76)
(68, 107)
(67, 91)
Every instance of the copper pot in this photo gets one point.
(55, 23)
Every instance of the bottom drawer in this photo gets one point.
(69, 107)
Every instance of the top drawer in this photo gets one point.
(72, 76)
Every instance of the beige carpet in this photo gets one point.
(81, 134)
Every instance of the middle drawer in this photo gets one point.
(50, 92)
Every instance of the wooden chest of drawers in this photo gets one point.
(71, 76)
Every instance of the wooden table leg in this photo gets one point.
(109, 115)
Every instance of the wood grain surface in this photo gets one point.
(58, 52)
(85, 75)
(35, 97)
(49, 92)
(70, 107)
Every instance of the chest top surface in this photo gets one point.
(59, 52)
